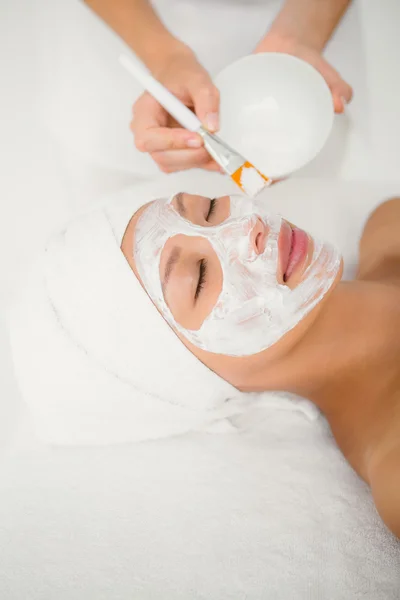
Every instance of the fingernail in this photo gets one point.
(343, 102)
(194, 143)
(212, 122)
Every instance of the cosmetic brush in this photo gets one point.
(242, 172)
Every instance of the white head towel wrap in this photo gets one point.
(95, 360)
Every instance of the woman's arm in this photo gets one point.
(138, 25)
(174, 64)
(308, 22)
(302, 28)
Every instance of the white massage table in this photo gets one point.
(269, 511)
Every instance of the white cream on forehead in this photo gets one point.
(253, 310)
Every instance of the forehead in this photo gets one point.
(164, 217)
(130, 229)
(128, 239)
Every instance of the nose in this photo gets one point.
(258, 237)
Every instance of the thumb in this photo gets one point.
(205, 97)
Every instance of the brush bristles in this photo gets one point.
(250, 180)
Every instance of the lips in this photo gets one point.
(293, 250)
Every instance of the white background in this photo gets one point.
(271, 512)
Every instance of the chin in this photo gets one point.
(296, 279)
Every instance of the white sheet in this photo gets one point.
(272, 511)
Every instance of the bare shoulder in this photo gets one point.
(380, 244)
(384, 478)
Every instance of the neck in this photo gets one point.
(341, 350)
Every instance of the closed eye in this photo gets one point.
(211, 209)
(202, 278)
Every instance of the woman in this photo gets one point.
(301, 28)
(342, 352)
(263, 309)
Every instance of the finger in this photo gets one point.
(160, 139)
(151, 134)
(345, 90)
(205, 98)
(339, 103)
(180, 160)
(147, 112)
(342, 94)
(213, 166)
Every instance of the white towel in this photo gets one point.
(95, 360)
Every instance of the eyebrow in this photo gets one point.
(171, 262)
(181, 204)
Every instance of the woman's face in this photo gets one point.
(232, 280)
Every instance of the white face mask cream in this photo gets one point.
(253, 310)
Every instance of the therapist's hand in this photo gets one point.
(156, 132)
(341, 91)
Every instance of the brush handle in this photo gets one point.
(172, 105)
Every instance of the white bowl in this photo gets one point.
(276, 110)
